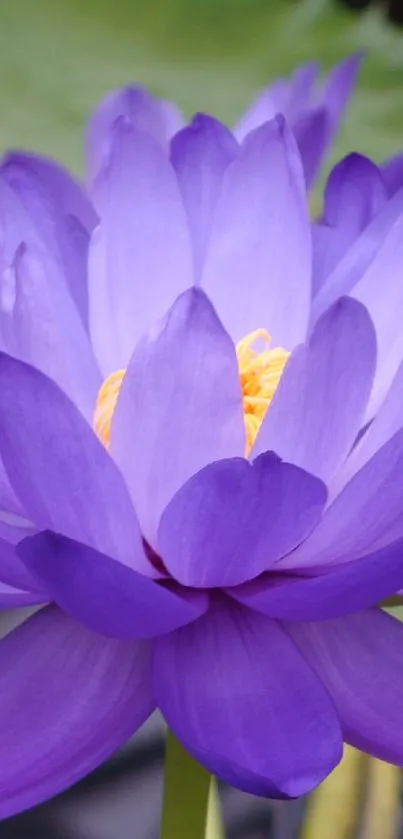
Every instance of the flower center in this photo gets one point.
(259, 375)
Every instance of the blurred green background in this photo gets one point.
(58, 57)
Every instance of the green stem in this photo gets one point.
(215, 827)
(190, 805)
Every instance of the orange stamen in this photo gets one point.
(105, 405)
(259, 373)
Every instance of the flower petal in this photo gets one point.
(138, 108)
(320, 402)
(13, 571)
(285, 96)
(72, 698)
(373, 246)
(61, 213)
(301, 89)
(337, 91)
(63, 476)
(387, 422)
(42, 184)
(103, 594)
(140, 257)
(46, 330)
(329, 245)
(392, 173)
(245, 703)
(50, 338)
(329, 594)
(253, 276)
(354, 193)
(179, 406)
(13, 598)
(366, 516)
(380, 290)
(311, 133)
(14, 526)
(233, 520)
(200, 154)
(360, 660)
(9, 502)
(271, 101)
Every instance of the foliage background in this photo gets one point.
(58, 57)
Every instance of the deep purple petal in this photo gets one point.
(200, 154)
(392, 173)
(245, 704)
(140, 256)
(71, 699)
(104, 595)
(365, 516)
(311, 133)
(329, 594)
(253, 276)
(138, 108)
(360, 660)
(179, 407)
(319, 404)
(232, 520)
(354, 193)
(62, 474)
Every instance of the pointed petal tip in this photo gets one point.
(192, 302)
(350, 65)
(346, 306)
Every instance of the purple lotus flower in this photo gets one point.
(314, 112)
(195, 504)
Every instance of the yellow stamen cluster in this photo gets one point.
(106, 403)
(259, 373)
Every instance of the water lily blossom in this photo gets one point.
(184, 473)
